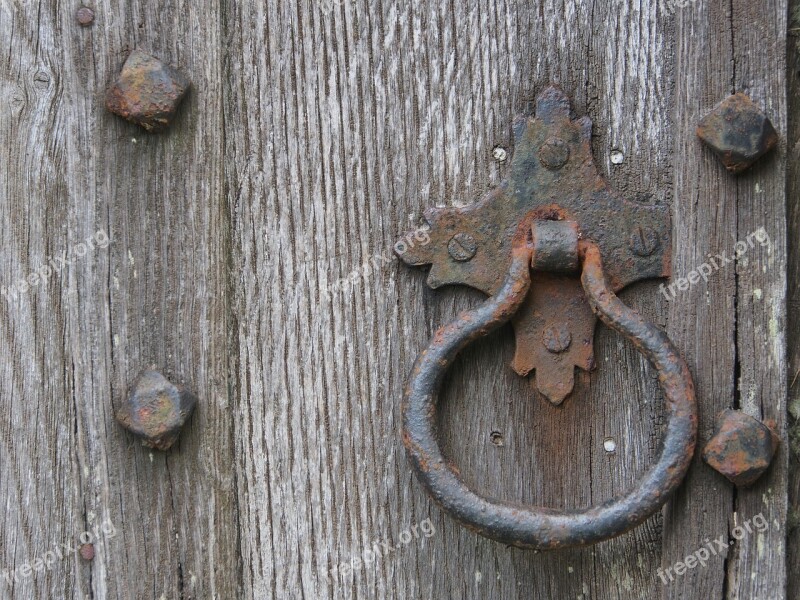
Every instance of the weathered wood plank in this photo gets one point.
(793, 303)
(757, 568)
(736, 346)
(363, 171)
(157, 294)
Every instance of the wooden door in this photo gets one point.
(315, 133)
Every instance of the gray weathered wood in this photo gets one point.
(733, 330)
(793, 280)
(316, 133)
(158, 294)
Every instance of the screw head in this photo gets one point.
(462, 247)
(156, 410)
(557, 338)
(742, 447)
(644, 241)
(500, 154)
(147, 92)
(85, 16)
(738, 131)
(554, 153)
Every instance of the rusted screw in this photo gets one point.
(644, 241)
(462, 247)
(738, 131)
(557, 338)
(554, 153)
(85, 16)
(742, 447)
(147, 92)
(86, 551)
(155, 410)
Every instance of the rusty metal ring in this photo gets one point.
(533, 526)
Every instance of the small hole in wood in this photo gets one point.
(497, 438)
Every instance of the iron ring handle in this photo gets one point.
(533, 526)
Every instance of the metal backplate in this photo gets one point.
(554, 175)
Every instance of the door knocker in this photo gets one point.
(550, 247)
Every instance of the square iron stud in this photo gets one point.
(742, 447)
(738, 131)
(156, 410)
(147, 92)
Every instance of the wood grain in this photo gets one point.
(734, 336)
(158, 294)
(793, 280)
(316, 133)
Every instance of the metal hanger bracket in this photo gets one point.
(550, 247)
(553, 176)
